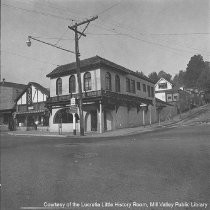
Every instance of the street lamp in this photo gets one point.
(28, 42)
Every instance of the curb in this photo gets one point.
(87, 136)
(30, 134)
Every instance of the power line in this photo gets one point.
(112, 30)
(105, 10)
(56, 38)
(62, 35)
(148, 42)
(126, 27)
(179, 34)
(37, 12)
(26, 57)
(140, 39)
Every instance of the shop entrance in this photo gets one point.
(93, 120)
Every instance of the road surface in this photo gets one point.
(169, 165)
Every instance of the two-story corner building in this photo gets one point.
(9, 91)
(113, 96)
(31, 112)
(160, 89)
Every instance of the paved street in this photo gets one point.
(170, 164)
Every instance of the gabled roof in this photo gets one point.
(91, 63)
(40, 87)
(162, 79)
(36, 85)
(13, 85)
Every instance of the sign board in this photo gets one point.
(73, 109)
(30, 107)
(143, 105)
(73, 101)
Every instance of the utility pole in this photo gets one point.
(74, 28)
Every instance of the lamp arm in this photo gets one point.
(30, 37)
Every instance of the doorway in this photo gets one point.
(93, 120)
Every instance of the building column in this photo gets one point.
(159, 110)
(150, 114)
(101, 118)
(26, 122)
(74, 123)
(143, 117)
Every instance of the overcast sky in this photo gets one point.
(143, 35)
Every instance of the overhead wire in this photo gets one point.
(27, 57)
(140, 39)
(107, 9)
(37, 12)
(112, 30)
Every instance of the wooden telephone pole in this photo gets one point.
(74, 28)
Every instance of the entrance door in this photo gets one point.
(93, 120)
(108, 121)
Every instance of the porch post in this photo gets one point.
(143, 117)
(74, 123)
(101, 118)
(150, 114)
(159, 116)
(26, 122)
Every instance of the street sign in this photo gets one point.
(73, 109)
(73, 101)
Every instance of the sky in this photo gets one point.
(142, 35)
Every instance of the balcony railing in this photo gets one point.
(97, 94)
(61, 98)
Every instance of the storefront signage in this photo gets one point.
(73, 109)
(30, 107)
(73, 101)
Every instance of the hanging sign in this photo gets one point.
(73, 109)
(73, 101)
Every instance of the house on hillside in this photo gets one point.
(31, 112)
(9, 91)
(113, 96)
(181, 99)
(160, 87)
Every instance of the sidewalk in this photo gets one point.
(120, 132)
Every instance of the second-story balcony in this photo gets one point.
(99, 95)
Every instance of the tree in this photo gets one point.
(203, 82)
(178, 79)
(194, 69)
(164, 75)
(140, 73)
(154, 77)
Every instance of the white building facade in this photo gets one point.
(160, 89)
(113, 97)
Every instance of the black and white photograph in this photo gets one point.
(105, 104)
